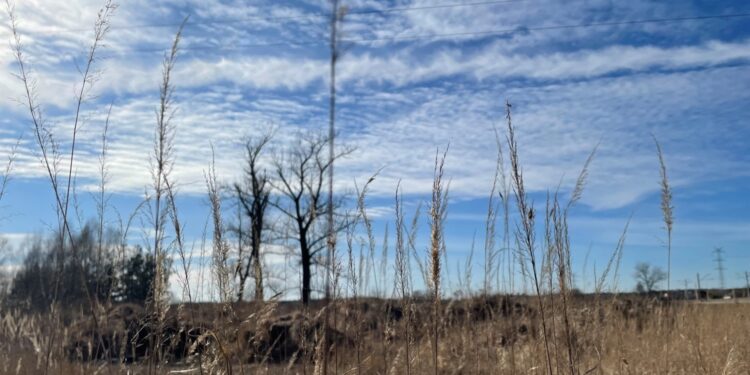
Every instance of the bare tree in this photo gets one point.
(300, 175)
(648, 277)
(253, 193)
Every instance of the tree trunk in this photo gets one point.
(306, 262)
(306, 258)
(257, 268)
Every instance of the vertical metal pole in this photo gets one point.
(331, 155)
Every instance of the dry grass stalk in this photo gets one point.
(525, 234)
(355, 277)
(48, 146)
(504, 194)
(437, 217)
(161, 168)
(185, 260)
(490, 252)
(220, 246)
(403, 280)
(614, 261)
(102, 199)
(666, 208)
(6, 175)
(561, 240)
(667, 214)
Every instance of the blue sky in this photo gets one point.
(415, 76)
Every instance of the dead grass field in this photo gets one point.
(613, 336)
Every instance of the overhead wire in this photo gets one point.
(395, 38)
(310, 16)
(486, 33)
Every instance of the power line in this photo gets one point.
(487, 33)
(311, 16)
(436, 6)
(560, 27)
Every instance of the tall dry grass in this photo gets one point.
(51, 150)
(438, 207)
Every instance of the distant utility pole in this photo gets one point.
(337, 13)
(747, 283)
(698, 291)
(686, 289)
(719, 259)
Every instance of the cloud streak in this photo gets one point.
(401, 101)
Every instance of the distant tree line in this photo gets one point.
(93, 270)
(281, 199)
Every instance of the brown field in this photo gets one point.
(610, 335)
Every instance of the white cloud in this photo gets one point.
(558, 126)
(492, 62)
(399, 105)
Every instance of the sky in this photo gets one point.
(414, 77)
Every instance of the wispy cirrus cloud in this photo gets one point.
(400, 101)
